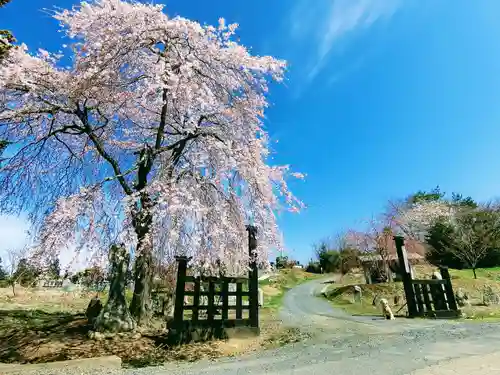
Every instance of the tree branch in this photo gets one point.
(83, 116)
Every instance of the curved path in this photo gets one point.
(347, 345)
(301, 308)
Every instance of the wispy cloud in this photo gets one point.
(326, 23)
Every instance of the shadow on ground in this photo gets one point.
(37, 336)
(22, 331)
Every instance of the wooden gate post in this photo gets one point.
(448, 288)
(253, 279)
(180, 287)
(404, 266)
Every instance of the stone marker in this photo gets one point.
(462, 298)
(93, 309)
(489, 296)
(357, 294)
(261, 297)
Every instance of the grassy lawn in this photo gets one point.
(341, 294)
(45, 325)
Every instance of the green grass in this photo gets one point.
(285, 280)
(341, 296)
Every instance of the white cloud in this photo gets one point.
(325, 23)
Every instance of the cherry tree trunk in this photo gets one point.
(141, 305)
(115, 315)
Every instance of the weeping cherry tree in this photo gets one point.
(145, 130)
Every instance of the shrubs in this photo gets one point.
(313, 267)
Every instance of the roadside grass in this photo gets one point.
(341, 294)
(275, 287)
(44, 325)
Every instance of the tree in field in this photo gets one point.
(25, 273)
(153, 137)
(414, 216)
(54, 269)
(458, 232)
(468, 238)
(335, 254)
(21, 270)
(3, 273)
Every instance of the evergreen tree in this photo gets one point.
(6, 37)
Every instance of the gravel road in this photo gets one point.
(346, 345)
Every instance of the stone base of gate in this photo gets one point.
(444, 314)
(189, 334)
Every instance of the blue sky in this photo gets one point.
(382, 97)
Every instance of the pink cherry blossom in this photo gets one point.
(416, 220)
(156, 116)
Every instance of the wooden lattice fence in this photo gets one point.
(216, 303)
(426, 298)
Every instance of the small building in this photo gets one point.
(372, 264)
(381, 269)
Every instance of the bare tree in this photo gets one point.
(374, 243)
(473, 234)
(14, 256)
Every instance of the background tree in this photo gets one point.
(468, 238)
(313, 266)
(21, 271)
(334, 255)
(328, 257)
(423, 196)
(6, 38)
(349, 259)
(54, 269)
(374, 242)
(26, 273)
(415, 215)
(92, 277)
(282, 262)
(3, 272)
(154, 135)
(437, 241)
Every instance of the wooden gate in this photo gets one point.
(208, 303)
(426, 298)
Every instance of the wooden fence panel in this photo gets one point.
(427, 300)
(239, 301)
(216, 309)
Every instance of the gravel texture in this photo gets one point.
(347, 345)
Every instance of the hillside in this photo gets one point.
(341, 294)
